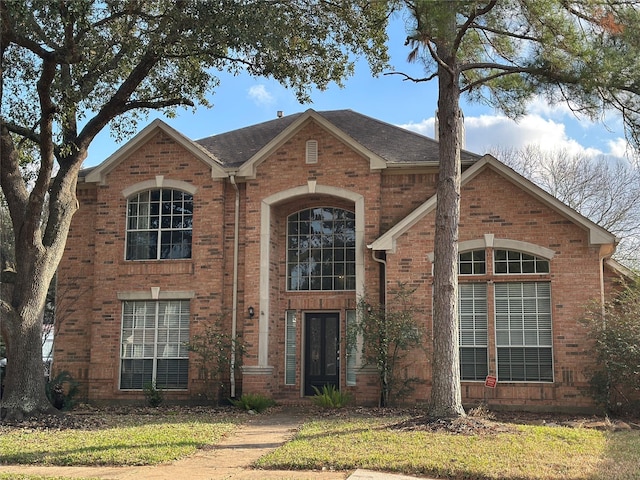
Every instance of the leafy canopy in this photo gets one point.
(128, 57)
(582, 53)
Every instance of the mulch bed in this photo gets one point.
(478, 422)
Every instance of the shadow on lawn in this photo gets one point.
(621, 457)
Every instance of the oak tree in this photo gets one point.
(70, 68)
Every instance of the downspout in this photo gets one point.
(234, 311)
(383, 301)
(605, 252)
(383, 278)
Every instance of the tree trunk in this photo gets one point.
(24, 383)
(446, 396)
(37, 256)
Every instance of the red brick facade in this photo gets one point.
(497, 206)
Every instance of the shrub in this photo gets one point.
(61, 390)
(215, 349)
(253, 401)
(330, 397)
(386, 334)
(154, 395)
(615, 331)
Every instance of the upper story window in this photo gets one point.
(321, 249)
(159, 225)
(472, 263)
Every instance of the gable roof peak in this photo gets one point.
(99, 173)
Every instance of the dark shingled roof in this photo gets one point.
(396, 145)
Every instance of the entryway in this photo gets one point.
(322, 351)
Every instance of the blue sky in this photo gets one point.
(241, 101)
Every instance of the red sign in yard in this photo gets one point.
(491, 381)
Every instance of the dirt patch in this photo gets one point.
(478, 422)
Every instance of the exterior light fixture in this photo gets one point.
(252, 312)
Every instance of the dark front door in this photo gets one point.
(321, 351)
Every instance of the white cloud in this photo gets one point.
(488, 132)
(260, 95)
(619, 147)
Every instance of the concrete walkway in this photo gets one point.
(230, 459)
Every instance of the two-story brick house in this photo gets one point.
(279, 228)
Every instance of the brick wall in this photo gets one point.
(94, 271)
(490, 204)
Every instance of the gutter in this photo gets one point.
(234, 311)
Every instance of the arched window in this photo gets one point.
(159, 225)
(321, 249)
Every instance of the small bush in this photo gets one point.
(154, 395)
(330, 397)
(61, 389)
(253, 401)
(616, 336)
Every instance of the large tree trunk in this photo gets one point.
(446, 397)
(39, 246)
(24, 384)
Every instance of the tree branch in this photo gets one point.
(408, 77)
(477, 12)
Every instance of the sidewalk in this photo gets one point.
(231, 459)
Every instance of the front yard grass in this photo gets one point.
(344, 441)
(122, 440)
(525, 452)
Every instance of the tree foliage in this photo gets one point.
(603, 190)
(614, 329)
(385, 335)
(217, 352)
(504, 53)
(71, 68)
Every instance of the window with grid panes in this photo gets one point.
(154, 342)
(522, 318)
(159, 225)
(321, 249)
(290, 344)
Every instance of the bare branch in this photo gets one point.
(408, 77)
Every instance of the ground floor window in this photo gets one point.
(473, 331)
(523, 331)
(154, 342)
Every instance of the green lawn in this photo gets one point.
(528, 452)
(342, 442)
(124, 440)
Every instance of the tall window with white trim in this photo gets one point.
(521, 298)
(523, 331)
(154, 342)
(472, 314)
(159, 225)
